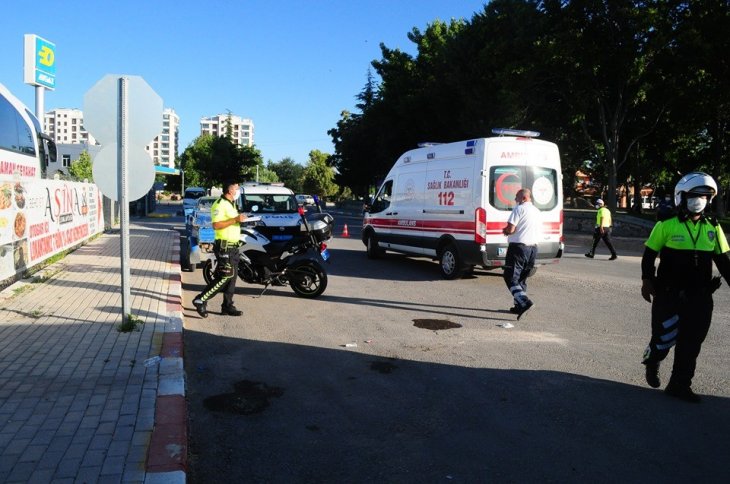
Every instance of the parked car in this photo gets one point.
(305, 199)
(190, 198)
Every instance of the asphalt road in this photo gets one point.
(282, 395)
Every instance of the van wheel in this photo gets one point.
(371, 244)
(450, 263)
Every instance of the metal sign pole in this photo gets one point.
(123, 189)
(40, 102)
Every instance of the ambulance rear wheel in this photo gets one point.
(449, 262)
(373, 251)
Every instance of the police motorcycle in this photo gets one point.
(270, 257)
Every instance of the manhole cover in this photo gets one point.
(382, 366)
(435, 324)
(249, 397)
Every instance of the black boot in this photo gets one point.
(230, 311)
(652, 375)
(589, 255)
(200, 307)
(683, 392)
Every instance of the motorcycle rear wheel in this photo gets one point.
(307, 279)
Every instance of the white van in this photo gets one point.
(451, 201)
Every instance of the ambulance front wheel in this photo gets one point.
(449, 262)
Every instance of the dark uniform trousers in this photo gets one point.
(224, 279)
(519, 265)
(606, 236)
(680, 317)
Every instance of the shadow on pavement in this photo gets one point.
(335, 415)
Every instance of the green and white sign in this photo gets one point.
(40, 62)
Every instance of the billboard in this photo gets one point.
(40, 62)
(40, 218)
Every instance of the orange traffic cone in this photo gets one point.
(345, 233)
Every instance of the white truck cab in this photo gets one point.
(451, 201)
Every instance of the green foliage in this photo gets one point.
(265, 175)
(637, 88)
(81, 169)
(210, 160)
(290, 173)
(130, 324)
(319, 176)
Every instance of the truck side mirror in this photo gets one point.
(52, 152)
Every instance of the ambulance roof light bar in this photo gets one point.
(515, 132)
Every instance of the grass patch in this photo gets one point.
(22, 289)
(131, 324)
(35, 314)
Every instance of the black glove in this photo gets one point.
(715, 283)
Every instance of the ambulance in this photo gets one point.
(451, 201)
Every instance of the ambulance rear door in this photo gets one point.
(512, 163)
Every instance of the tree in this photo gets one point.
(211, 160)
(605, 52)
(289, 172)
(81, 169)
(635, 89)
(319, 176)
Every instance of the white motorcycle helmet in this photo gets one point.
(695, 182)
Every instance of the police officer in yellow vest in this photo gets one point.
(682, 288)
(602, 230)
(227, 225)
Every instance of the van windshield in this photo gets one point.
(505, 181)
(268, 203)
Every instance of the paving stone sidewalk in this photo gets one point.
(77, 402)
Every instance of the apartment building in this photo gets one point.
(66, 127)
(241, 128)
(164, 148)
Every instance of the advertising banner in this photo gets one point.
(40, 218)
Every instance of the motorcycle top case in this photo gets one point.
(281, 229)
(321, 225)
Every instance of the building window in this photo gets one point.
(66, 160)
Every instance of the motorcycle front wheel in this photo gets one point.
(307, 279)
(208, 270)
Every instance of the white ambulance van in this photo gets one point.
(451, 201)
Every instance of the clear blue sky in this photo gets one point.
(291, 66)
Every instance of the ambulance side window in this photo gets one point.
(382, 199)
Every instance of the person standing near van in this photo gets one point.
(227, 225)
(523, 230)
(681, 309)
(602, 230)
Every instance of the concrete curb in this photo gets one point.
(167, 452)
